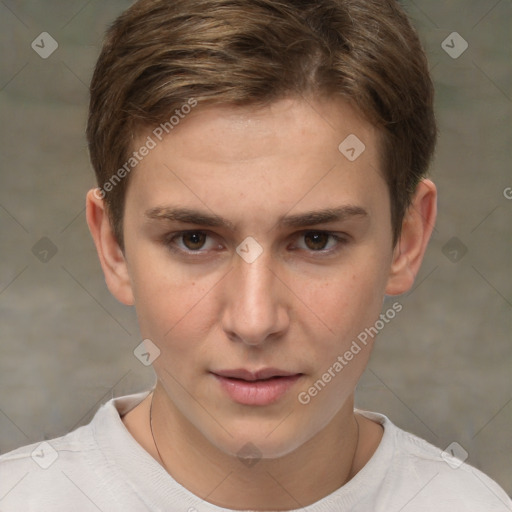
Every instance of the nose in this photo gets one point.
(255, 309)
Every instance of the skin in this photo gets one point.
(297, 307)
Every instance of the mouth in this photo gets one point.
(261, 387)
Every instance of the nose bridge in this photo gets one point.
(253, 309)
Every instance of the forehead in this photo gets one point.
(292, 149)
(278, 127)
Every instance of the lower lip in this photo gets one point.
(258, 392)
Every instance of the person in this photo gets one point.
(262, 189)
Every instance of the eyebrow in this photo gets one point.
(311, 218)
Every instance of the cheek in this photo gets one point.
(346, 303)
(171, 304)
(176, 316)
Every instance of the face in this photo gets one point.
(257, 252)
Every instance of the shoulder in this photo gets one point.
(446, 474)
(425, 477)
(44, 454)
(74, 470)
(36, 474)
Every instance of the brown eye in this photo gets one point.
(194, 240)
(191, 243)
(316, 241)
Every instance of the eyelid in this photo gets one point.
(340, 238)
(170, 237)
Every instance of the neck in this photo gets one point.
(316, 469)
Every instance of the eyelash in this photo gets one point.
(170, 238)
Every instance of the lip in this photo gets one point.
(260, 387)
(263, 373)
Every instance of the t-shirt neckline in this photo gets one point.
(156, 488)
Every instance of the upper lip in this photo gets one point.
(264, 373)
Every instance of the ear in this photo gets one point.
(112, 259)
(417, 227)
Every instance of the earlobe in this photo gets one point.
(112, 259)
(417, 228)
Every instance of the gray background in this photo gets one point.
(441, 369)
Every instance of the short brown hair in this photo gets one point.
(160, 54)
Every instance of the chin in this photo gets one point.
(256, 440)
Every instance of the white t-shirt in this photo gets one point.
(100, 467)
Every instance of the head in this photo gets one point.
(236, 120)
